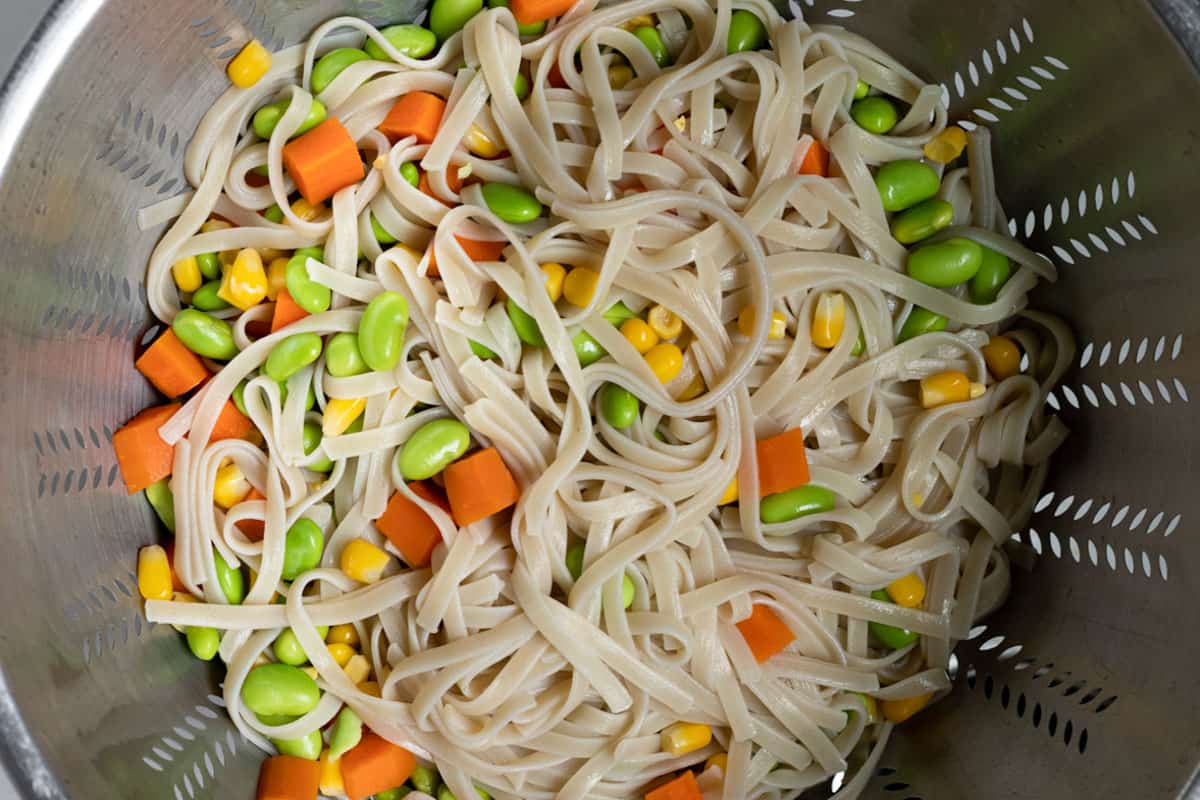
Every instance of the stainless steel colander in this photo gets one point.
(1083, 685)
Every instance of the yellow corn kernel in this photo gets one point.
(555, 273)
(187, 274)
(694, 389)
(363, 561)
(341, 653)
(680, 123)
(948, 387)
(357, 669)
(580, 286)
(908, 591)
(619, 75)
(248, 66)
(829, 320)
(1002, 356)
(230, 486)
(685, 737)
(371, 688)
(310, 671)
(731, 493)
(154, 573)
(977, 390)
(330, 784)
(340, 412)
(480, 143)
(244, 284)
(718, 760)
(947, 145)
(276, 277)
(639, 334)
(269, 254)
(899, 710)
(345, 634)
(215, 225)
(640, 21)
(665, 360)
(664, 322)
(307, 211)
(745, 323)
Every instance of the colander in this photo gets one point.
(1084, 685)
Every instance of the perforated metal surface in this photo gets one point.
(1082, 686)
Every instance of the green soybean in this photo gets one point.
(203, 641)
(302, 548)
(860, 344)
(410, 40)
(889, 635)
(410, 173)
(279, 689)
(206, 298)
(273, 214)
(381, 234)
(904, 184)
(312, 440)
(204, 335)
(310, 397)
(210, 265)
(230, 579)
(525, 325)
(619, 406)
(919, 322)
(796, 503)
(945, 264)
(861, 90)
(163, 502)
(425, 779)
(292, 355)
(307, 746)
(288, 650)
(432, 447)
(533, 29)
(875, 114)
(482, 350)
(448, 17)
(993, 273)
(511, 203)
(521, 86)
(746, 32)
(330, 65)
(381, 331)
(922, 221)
(618, 312)
(239, 397)
(266, 119)
(342, 357)
(628, 591)
(313, 297)
(444, 793)
(652, 39)
(574, 559)
(395, 793)
(347, 733)
(587, 349)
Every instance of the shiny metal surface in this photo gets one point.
(1091, 692)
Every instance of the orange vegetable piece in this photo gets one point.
(765, 633)
(682, 788)
(452, 181)
(782, 463)
(286, 311)
(171, 367)
(555, 77)
(288, 778)
(142, 455)
(374, 765)
(409, 528)
(476, 251)
(231, 423)
(479, 486)
(415, 114)
(528, 12)
(254, 529)
(323, 161)
(815, 161)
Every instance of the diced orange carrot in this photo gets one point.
(286, 311)
(231, 423)
(176, 581)
(452, 181)
(782, 462)
(476, 251)
(682, 788)
(408, 528)
(480, 485)
(816, 160)
(141, 453)
(171, 367)
(374, 765)
(555, 76)
(254, 529)
(415, 114)
(529, 12)
(765, 633)
(323, 161)
(288, 778)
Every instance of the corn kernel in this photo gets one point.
(899, 710)
(579, 287)
(345, 634)
(947, 145)
(230, 486)
(665, 360)
(363, 561)
(908, 591)
(269, 254)
(186, 272)
(746, 319)
(245, 283)
(640, 21)
(215, 225)
(371, 688)
(694, 389)
(357, 669)
(555, 273)
(731, 493)
(340, 413)
(341, 653)
(949, 387)
(248, 66)
(276, 278)
(331, 784)
(829, 320)
(1002, 356)
(480, 143)
(307, 211)
(680, 123)
(664, 322)
(639, 334)
(718, 760)
(154, 573)
(619, 75)
(685, 737)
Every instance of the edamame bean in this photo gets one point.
(444, 793)
(525, 325)
(342, 358)
(448, 17)
(381, 331)
(310, 397)
(628, 591)
(410, 40)
(889, 635)
(796, 503)
(288, 650)
(746, 32)
(945, 264)
(919, 322)
(618, 312)
(993, 273)
(313, 297)
(302, 548)
(875, 114)
(482, 350)
(381, 234)
(330, 65)
(619, 406)
(410, 173)
(587, 349)
(922, 221)
(432, 447)
(273, 214)
(521, 86)
(279, 689)
(903, 184)
(424, 778)
(307, 746)
(652, 39)
(511, 203)
(861, 90)
(312, 440)
(163, 502)
(395, 793)
(210, 265)
(239, 397)
(206, 298)
(292, 355)
(230, 579)
(574, 560)
(203, 641)
(204, 335)
(533, 29)
(266, 119)
(347, 733)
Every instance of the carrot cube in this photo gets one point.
(765, 633)
(409, 528)
(231, 423)
(815, 161)
(143, 456)
(171, 367)
(415, 114)
(374, 765)
(288, 778)
(782, 463)
(480, 485)
(682, 788)
(529, 12)
(286, 311)
(323, 161)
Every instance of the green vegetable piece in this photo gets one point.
(204, 335)
(203, 641)
(861, 90)
(511, 203)
(163, 502)
(347, 732)
(410, 173)
(239, 397)
(262, 170)
(288, 650)
(652, 39)
(210, 265)
(619, 406)
(425, 779)
(628, 591)
(618, 312)
(381, 234)
(292, 355)
(397, 793)
(444, 793)
(206, 298)
(525, 325)
(945, 264)
(903, 184)
(302, 549)
(330, 65)
(310, 397)
(310, 295)
(922, 221)
(521, 86)
(746, 32)
(230, 579)
(889, 635)
(448, 17)
(312, 440)
(860, 344)
(921, 321)
(993, 273)
(875, 114)
(574, 560)
(587, 349)
(482, 350)
(432, 447)
(307, 746)
(342, 357)
(381, 331)
(796, 503)
(279, 689)
(410, 40)
(533, 29)
(266, 119)
(273, 214)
